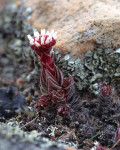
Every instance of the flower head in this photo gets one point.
(43, 42)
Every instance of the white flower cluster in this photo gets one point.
(37, 36)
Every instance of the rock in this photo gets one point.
(10, 102)
(15, 139)
(81, 25)
(13, 30)
(2, 4)
(19, 82)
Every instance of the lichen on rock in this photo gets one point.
(13, 30)
(98, 65)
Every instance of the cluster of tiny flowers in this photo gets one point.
(43, 39)
(54, 87)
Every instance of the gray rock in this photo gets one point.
(15, 139)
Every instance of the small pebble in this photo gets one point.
(29, 99)
(19, 81)
(37, 94)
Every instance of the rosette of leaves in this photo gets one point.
(105, 95)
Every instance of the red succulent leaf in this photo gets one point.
(44, 102)
(68, 86)
(52, 85)
(105, 95)
(45, 58)
(63, 110)
(68, 82)
(117, 137)
(59, 75)
(51, 64)
(50, 82)
(105, 90)
(57, 96)
(100, 147)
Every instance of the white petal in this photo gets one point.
(37, 44)
(117, 51)
(37, 39)
(42, 40)
(55, 37)
(43, 32)
(93, 148)
(50, 37)
(47, 41)
(52, 32)
(30, 37)
(31, 42)
(36, 34)
(48, 33)
(55, 34)
(96, 143)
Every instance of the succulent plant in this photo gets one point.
(105, 90)
(54, 87)
(105, 94)
(63, 110)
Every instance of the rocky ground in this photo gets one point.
(91, 117)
